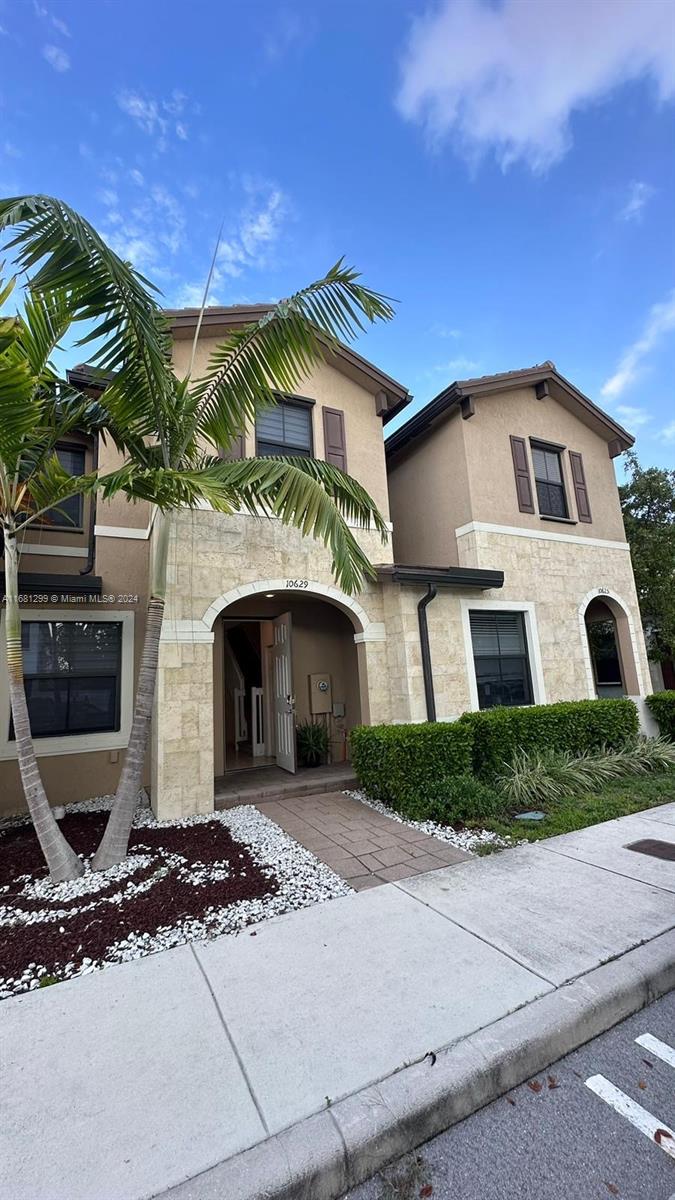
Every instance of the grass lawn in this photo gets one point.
(617, 799)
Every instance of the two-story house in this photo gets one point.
(507, 580)
(514, 471)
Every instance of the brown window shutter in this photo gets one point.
(580, 489)
(522, 471)
(335, 449)
(234, 450)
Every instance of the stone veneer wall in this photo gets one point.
(210, 557)
(213, 557)
(559, 576)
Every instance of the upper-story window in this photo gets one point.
(285, 429)
(70, 512)
(548, 477)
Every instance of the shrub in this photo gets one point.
(662, 707)
(402, 764)
(549, 776)
(455, 800)
(312, 742)
(576, 726)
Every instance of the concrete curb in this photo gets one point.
(323, 1156)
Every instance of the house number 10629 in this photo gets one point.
(297, 583)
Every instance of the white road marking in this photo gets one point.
(660, 1049)
(638, 1116)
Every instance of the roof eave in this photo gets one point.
(461, 389)
(182, 321)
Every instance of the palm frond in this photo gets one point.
(274, 354)
(50, 485)
(315, 497)
(125, 316)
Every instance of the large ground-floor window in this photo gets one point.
(500, 658)
(72, 672)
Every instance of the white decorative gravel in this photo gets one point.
(302, 880)
(467, 839)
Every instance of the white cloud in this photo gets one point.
(249, 247)
(669, 432)
(10, 150)
(445, 331)
(660, 321)
(639, 194)
(259, 227)
(509, 76)
(150, 233)
(633, 415)
(136, 176)
(157, 118)
(191, 295)
(286, 32)
(144, 112)
(457, 368)
(61, 26)
(56, 57)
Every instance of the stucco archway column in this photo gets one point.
(182, 730)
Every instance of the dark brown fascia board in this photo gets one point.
(182, 322)
(84, 376)
(452, 577)
(64, 585)
(485, 385)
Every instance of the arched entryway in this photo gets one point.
(282, 658)
(609, 642)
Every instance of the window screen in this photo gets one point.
(72, 673)
(284, 429)
(549, 480)
(500, 659)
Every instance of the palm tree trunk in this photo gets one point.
(61, 859)
(115, 841)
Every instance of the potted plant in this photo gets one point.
(312, 744)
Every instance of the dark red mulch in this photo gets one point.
(170, 901)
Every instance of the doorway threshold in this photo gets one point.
(246, 787)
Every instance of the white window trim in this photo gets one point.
(528, 609)
(542, 535)
(78, 743)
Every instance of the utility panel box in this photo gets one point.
(320, 694)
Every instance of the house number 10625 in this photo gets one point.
(297, 583)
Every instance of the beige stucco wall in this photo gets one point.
(462, 471)
(123, 566)
(430, 495)
(329, 387)
(490, 465)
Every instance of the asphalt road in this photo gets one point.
(554, 1138)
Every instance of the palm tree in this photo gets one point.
(160, 423)
(36, 411)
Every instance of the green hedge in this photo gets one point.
(576, 725)
(403, 765)
(662, 707)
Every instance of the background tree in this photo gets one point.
(648, 503)
(161, 424)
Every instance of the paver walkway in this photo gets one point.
(357, 842)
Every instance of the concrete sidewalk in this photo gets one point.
(295, 1059)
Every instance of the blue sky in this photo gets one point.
(505, 170)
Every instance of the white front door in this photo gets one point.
(284, 700)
